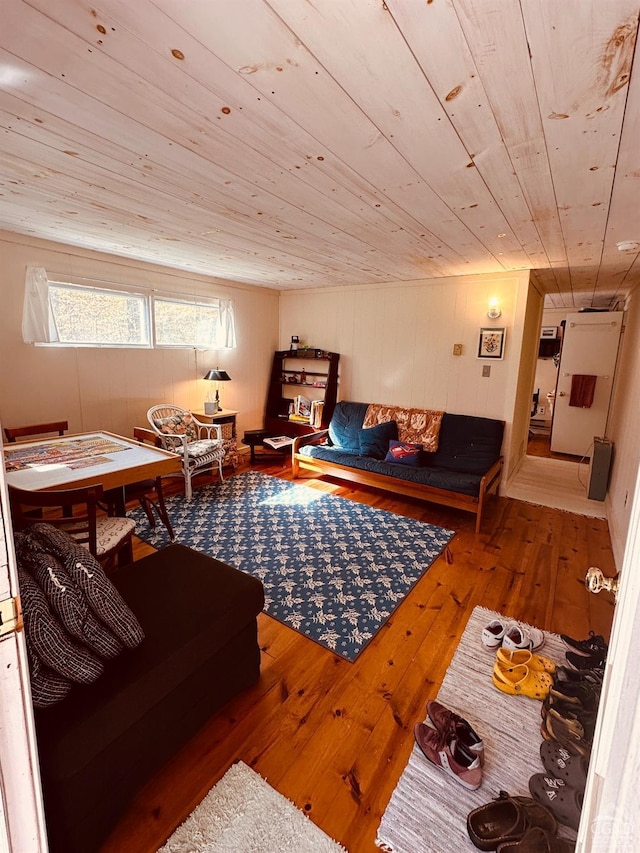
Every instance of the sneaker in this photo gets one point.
(446, 721)
(518, 637)
(449, 755)
(595, 643)
(596, 660)
(492, 634)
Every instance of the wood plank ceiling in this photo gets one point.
(310, 143)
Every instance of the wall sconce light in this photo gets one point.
(217, 376)
(494, 309)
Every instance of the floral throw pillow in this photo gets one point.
(178, 425)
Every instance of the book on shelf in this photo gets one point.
(299, 419)
(302, 406)
(278, 441)
(315, 416)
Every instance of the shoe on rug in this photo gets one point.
(517, 636)
(447, 721)
(521, 680)
(564, 763)
(449, 755)
(537, 840)
(595, 643)
(564, 801)
(582, 694)
(492, 634)
(519, 657)
(588, 676)
(507, 819)
(596, 660)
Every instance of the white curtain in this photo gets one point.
(227, 326)
(38, 326)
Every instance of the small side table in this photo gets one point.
(253, 438)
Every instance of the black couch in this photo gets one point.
(105, 739)
(461, 472)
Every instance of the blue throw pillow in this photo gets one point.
(404, 453)
(374, 441)
(346, 423)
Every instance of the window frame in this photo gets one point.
(149, 297)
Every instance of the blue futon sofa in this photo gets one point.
(460, 473)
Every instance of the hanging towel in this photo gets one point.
(583, 388)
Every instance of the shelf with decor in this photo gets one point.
(315, 383)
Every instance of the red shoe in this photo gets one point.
(449, 755)
(445, 720)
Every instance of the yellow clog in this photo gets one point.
(523, 657)
(520, 680)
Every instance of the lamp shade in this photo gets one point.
(217, 376)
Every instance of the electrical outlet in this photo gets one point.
(541, 410)
(457, 349)
(486, 370)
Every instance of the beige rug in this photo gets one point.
(428, 810)
(244, 814)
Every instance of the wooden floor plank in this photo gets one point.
(335, 736)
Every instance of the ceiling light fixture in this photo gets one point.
(628, 246)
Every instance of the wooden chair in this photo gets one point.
(12, 433)
(148, 493)
(75, 511)
(181, 432)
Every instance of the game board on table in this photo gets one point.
(74, 453)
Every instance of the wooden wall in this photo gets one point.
(396, 341)
(113, 388)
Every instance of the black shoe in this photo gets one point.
(595, 644)
(564, 674)
(578, 693)
(596, 660)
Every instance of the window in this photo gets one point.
(99, 317)
(64, 313)
(185, 324)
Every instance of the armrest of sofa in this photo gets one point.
(310, 438)
(302, 440)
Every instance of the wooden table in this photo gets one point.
(85, 459)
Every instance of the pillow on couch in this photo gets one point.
(374, 441)
(65, 599)
(49, 641)
(345, 425)
(404, 453)
(89, 576)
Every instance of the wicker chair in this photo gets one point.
(182, 433)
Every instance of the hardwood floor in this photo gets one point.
(334, 736)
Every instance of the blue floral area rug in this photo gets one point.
(332, 569)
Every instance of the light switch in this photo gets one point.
(486, 370)
(457, 349)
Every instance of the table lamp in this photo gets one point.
(213, 406)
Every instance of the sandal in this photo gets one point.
(537, 840)
(519, 657)
(521, 681)
(564, 764)
(553, 730)
(507, 819)
(564, 801)
(578, 720)
(579, 693)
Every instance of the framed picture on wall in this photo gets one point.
(491, 343)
